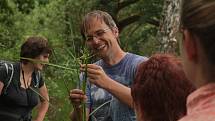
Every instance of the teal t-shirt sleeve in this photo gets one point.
(136, 63)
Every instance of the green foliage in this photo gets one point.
(25, 6)
(59, 21)
(5, 7)
(138, 21)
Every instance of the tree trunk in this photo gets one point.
(169, 26)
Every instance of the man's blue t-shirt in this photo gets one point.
(122, 72)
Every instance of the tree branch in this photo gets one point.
(153, 22)
(131, 19)
(124, 4)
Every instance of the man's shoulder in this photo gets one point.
(129, 60)
(135, 55)
(98, 62)
(136, 58)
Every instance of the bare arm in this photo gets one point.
(120, 91)
(1, 87)
(44, 104)
(98, 77)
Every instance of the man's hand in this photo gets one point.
(96, 75)
(76, 97)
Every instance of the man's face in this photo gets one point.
(100, 38)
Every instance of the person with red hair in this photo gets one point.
(160, 89)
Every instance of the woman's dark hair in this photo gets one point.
(33, 47)
(160, 89)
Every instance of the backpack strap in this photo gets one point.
(38, 77)
(6, 66)
(11, 76)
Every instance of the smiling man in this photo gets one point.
(111, 76)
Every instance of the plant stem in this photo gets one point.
(84, 88)
(50, 64)
(44, 98)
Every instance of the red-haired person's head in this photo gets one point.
(160, 89)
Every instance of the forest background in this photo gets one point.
(59, 21)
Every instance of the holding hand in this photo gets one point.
(96, 75)
(77, 96)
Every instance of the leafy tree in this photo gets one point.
(138, 22)
(59, 21)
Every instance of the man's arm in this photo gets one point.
(1, 87)
(97, 76)
(120, 91)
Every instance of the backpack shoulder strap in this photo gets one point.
(6, 66)
(11, 75)
(38, 77)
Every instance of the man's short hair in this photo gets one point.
(100, 15)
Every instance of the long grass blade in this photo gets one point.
(99, 107)
(50, 64)
(44, 98)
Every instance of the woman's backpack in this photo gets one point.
(10, 71)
